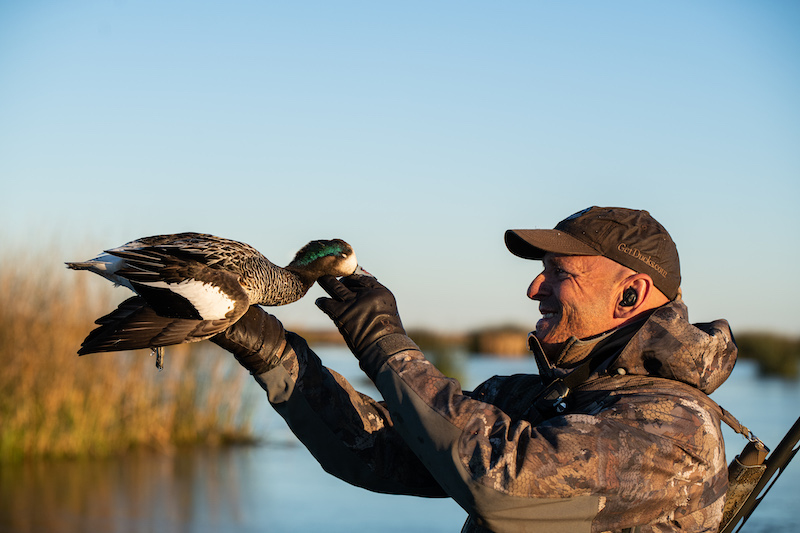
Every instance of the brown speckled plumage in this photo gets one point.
(191, 286)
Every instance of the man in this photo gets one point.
(615, 434)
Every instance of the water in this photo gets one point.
(279, 487)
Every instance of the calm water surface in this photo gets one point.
(279, 487)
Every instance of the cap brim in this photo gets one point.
(534, 243)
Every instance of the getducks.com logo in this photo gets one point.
(646, 259)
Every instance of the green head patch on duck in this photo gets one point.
(318, 249)
(325, 257)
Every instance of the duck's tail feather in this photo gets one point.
(79, 265)
(103, 265)
(134, 325)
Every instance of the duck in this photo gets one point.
(190, 286)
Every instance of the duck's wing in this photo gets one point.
(177, 287)
(134, 325)
(204, 248)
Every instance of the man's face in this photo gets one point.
(577, 296)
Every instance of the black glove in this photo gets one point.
(255, 340)
(366, 314)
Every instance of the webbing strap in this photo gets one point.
(737, 426)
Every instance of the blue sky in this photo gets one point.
(417, 131)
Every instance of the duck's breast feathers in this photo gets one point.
(180, 288)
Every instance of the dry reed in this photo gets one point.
(56, 404)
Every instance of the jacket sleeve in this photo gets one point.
(351, 435)
(637, 459)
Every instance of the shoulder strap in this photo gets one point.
(735, 425)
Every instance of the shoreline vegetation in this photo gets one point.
(54, 404)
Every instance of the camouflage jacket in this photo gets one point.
(639, 445)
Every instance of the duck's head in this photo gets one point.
(325, 257)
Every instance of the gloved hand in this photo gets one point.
(255, 340)
(366, 314)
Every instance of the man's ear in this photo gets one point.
(633, 296)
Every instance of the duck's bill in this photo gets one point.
(361, 272)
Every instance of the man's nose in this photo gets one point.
(535, 288)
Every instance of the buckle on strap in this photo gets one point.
(553, 399)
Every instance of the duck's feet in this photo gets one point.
(159, 353)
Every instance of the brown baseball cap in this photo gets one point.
(630, 237)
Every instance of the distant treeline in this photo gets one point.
(777, 355)
(504, 341)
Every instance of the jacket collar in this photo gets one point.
(664, 344)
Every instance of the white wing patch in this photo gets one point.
(211, 303)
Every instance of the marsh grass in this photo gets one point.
(56, 404)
